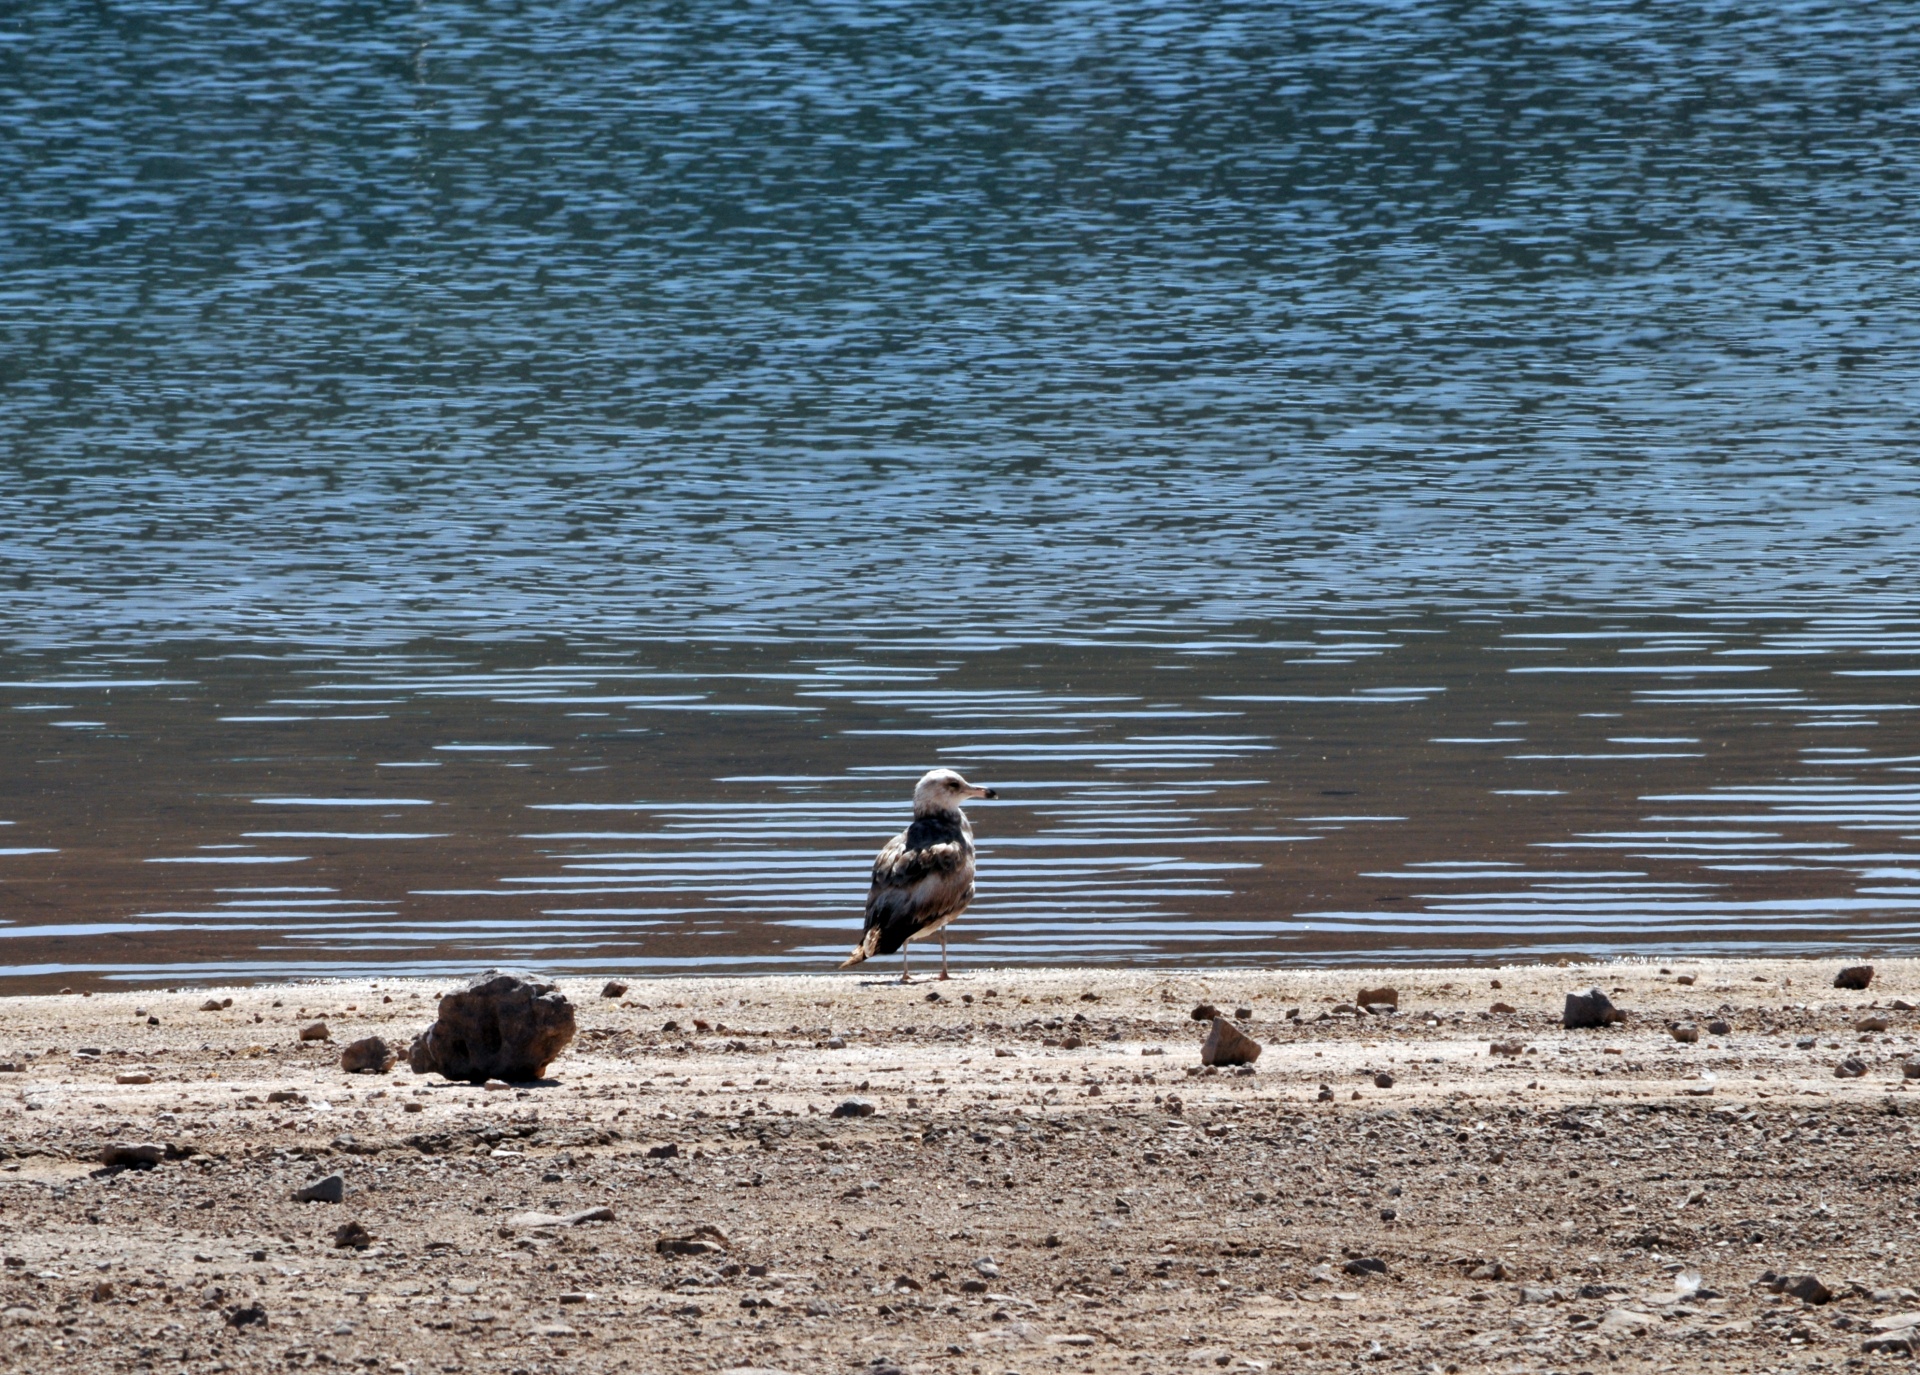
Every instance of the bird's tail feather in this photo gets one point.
(863, 951)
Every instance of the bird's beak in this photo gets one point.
(981, 792)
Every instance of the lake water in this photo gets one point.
(1367, 484)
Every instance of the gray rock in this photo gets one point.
(1492, 1270)
(331, 1189)
(1871, 1023)
(1850, 1068)
(854, 1107)
(1362, 1266)
(504, 1025)
(1854, 976)
(1532, 1293)
(1226, 1044)
(370, 1055)
(1592, 1008)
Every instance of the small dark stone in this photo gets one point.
(666, 1152)
(1365, 1265)
(315, 1031)
(503, 1025)
(1370, 996)
(1850, 1068)
(352, 1234)
(135, 1155)
(253, 1315)
(613, 988)
(854, 1107)
(1717, 1027)
(1805, 1287)
(1383, 1080)
(1206, 1012)
(1854, 976)
(1592, 1008)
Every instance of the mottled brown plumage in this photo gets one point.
(923, 877)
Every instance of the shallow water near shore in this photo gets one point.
(538, 488)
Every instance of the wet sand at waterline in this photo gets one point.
(1047, 1180)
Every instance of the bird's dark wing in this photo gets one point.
(922, 876)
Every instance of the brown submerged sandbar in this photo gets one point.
(1038, 1186)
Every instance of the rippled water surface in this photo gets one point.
(1369, 483)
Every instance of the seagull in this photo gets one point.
(923, 878)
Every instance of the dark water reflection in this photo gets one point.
(537, 483)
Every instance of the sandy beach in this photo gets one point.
(1047, 1179)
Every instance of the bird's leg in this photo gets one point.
(943, 954)
(905, 977)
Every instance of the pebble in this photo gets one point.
(330, 1189)
(1502, 1009)
(1806, 1287)
(133, 1077)
(1719, 1028)
(1505, 1048)
(1363, 1266)
(1369, 997)
(1592, 1008)
(701, 1241)
(496, 1086)
(1205, 1012)
(138, 1155)
(251, 1315)
(585, 1215)
(1854, 976)
(613, 988)
(1226, 1044)
(666, 1152)
(1871, 1024)
(1850, 1068)
(1684, 1032)
(854, 1107)
(1383, 1080)
(315, 1031)
(352, 1235)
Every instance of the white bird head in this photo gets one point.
(943, 790)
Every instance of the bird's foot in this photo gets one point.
(943, 976)
(906, 978)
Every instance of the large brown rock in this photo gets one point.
(504, 1025)
(1854, 976)
(369, 1056)
(1226, 1044)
